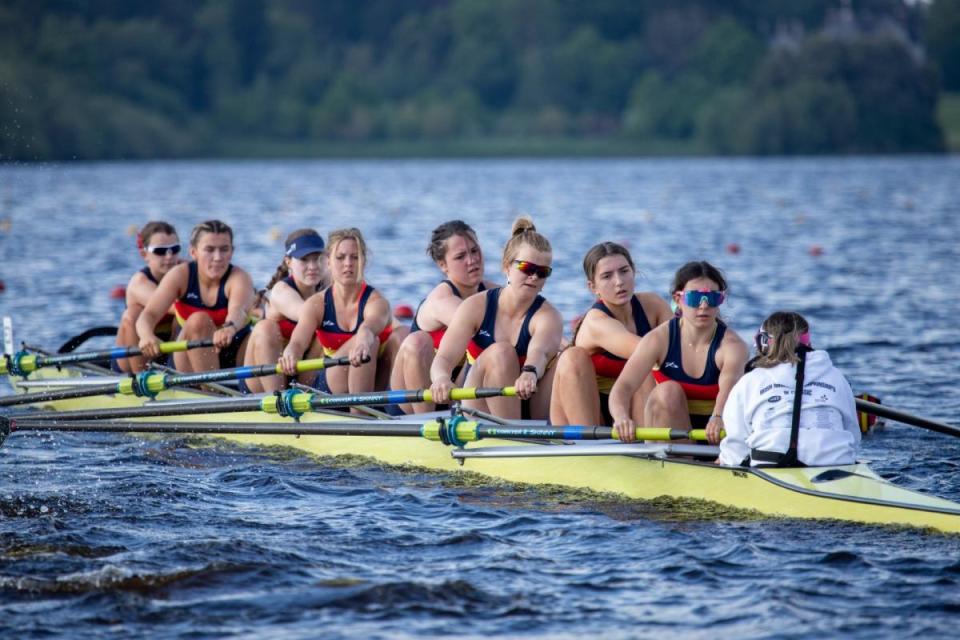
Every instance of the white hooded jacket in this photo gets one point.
(758, 414)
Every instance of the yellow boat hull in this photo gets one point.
(852, 493)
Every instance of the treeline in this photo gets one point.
(119, 79)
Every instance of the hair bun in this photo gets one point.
(522, 224)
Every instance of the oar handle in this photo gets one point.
(316, 364)
(473, 393)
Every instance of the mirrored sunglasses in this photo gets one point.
(164, 250)
(696, 298)
(532, 269)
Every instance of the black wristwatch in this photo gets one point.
(229, 323)
(529, 368)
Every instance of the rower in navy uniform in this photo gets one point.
(159, 246)
(211, 299)
(695, 359)
(511, 334)
(301, 273)
(456, 252)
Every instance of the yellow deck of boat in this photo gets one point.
(852, 493)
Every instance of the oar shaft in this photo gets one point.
(345, 428)
(57, 394)
(32, 362)
(906, 418)
(469, 431)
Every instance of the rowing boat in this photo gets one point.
(641, 471)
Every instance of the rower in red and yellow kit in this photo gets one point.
(606, 336)
(301, 274)
(211, 298)
(349, 318)
(512, 334)
(698, 360)
(455, 250)
(159, 246)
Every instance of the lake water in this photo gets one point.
(114, 536)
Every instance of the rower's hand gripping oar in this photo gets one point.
(23, 362)
(899, 416)
(150, 383)
(290, 403)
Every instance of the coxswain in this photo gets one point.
(758, 415)
(211, 299)
(511, 334)
(301, 273)
(159, 246)
(456, 252)
(606, 336)
(349, 318)
(697, 357)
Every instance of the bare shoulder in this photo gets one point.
(652, 301)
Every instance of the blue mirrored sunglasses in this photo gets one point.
(696, 298)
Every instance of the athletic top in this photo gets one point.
(701, 392)
(484, 337)
(607, 365)
(286, 324)
(164, 328)
(191, 302)
(437, 334)
(330, 335)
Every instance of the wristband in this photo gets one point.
(529, 368)
(229, 323)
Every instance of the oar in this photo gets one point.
(289, 403)
(924, 423)
(22, 363)
(150, 383)
(455, 431)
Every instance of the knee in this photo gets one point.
(266, 331)
(417, 345)
(198, 325)
(574, 362)
(668, 395)
(501, 358)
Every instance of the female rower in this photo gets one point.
(348, 318)
(159, 247)
(609, 332)
(301, 274)
(698, 358)
(455, 250)
(211, 298)
(511, 334)
(758, 415)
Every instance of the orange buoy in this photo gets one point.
(403, 311)
(733, 248)
(118, 292)
(816, 250)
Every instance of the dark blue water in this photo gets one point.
(112, 536)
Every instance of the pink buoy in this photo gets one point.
(733, 248)
(816, 250)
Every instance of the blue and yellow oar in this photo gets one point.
(150, 383)
(23, 362)
(292, 402)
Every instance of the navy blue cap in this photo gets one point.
(305, 245)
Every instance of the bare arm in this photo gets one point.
(310, 315)
(648, 353)
(731, 358)
(546, 332)
(462, 327)
(286, 301)
(657, 309)
(139, 290)
(600, 331)
(173, 285)
(240, 294)
(376, 317)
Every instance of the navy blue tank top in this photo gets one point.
(485, 334)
